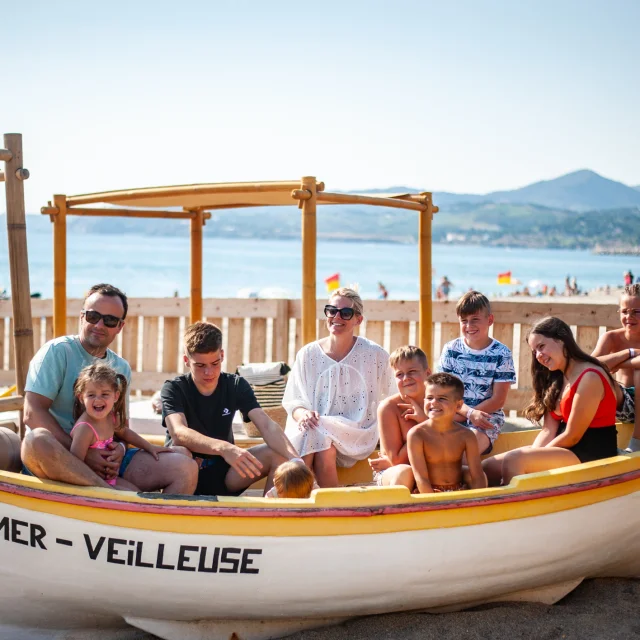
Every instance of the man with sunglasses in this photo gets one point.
(49, 401)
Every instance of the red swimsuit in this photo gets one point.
(600, 439)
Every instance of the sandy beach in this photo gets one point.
(597, 609)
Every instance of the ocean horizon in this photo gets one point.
(158, 266)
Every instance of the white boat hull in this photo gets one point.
(61, 572)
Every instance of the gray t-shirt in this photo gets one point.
(55, 369)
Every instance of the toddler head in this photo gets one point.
(293, 479)
(98, 391)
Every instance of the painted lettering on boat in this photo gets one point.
(21, 532)
(136, 553)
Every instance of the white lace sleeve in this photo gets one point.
(296, 393)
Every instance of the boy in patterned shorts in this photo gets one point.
(484, 365)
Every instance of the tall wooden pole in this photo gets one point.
(309, 261)
(424, 257)
(197, 222)
(15, 174)
(60, 267)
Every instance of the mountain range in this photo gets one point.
(578, 210)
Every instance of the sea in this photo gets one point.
(158, 266)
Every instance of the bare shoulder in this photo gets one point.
(613, 340)
(390, 403)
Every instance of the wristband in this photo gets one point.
(124, 447)
(469, 414)
(632, 352)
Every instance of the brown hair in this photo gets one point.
(472, 302)
(101, 373)
(408, 352)
(105, 289)
(293, 479)
(447, 380)
(202, 337)
(353, 295)
(632, 290)
(548, 385)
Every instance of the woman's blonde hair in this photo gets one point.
(353, 295)
(100, 373)
(293, 479)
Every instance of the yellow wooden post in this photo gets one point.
(197, 223)
(425, 339)
(15, 174)
(309, 261)
(60, 267)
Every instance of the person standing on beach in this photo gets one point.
(620, 351)
(49, 400)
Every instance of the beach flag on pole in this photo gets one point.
(504, 278)
(332, 282)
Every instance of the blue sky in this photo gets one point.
(467, 96)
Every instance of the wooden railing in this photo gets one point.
(270, 330)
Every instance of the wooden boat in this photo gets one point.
(188, 568)
(77, 559)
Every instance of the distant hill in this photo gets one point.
(578, 191)
(582, 190)
(578, 210)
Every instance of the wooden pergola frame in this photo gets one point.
(197, 202)
(13, 176)
(194, 203)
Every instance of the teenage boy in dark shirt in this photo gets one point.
(198, 409)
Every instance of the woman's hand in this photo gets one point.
(308, 420)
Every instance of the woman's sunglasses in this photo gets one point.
(93, 317)
(345, 313)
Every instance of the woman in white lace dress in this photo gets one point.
(333, 392)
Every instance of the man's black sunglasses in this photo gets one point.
(345, 313)
(93, 317)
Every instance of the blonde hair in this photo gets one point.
(100, 373)
(408, 352)
(293, 479)
(353, 295)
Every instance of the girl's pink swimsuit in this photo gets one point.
(98, 444)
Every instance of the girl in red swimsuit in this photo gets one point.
(574, 394)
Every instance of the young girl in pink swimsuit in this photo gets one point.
(100, 413)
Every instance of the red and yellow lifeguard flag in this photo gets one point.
(332, 282)
(504, 278)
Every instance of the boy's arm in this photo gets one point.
(478, 479)
(415, 449)
(244, 462)
(604, 351)
(391, 443)
(497, 400)
(272, 434)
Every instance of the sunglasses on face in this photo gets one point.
(345, 313)
(93, 317)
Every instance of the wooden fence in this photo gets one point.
(270, 330)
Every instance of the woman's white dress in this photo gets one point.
(346, 394)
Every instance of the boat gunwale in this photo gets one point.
(317, 511)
